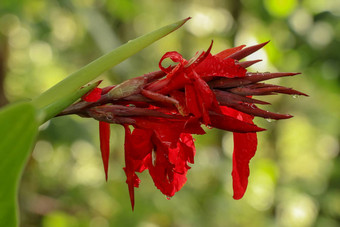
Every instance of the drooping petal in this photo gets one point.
(169, 168)
(141, 146)
(132, 179)
(104, 135)
(245, 145)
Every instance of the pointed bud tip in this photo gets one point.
(184, 21)
(265, 43)
(261, 129)
(282, 117)
(294, 74)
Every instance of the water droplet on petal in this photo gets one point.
(269, 120)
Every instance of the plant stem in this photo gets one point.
(53, 109)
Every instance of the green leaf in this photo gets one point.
(102, 64)
(18, 131)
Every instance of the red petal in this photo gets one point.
(131, 178)
(165, 130)
(191, 100)
(245, 145)
(175, 57)
(140, 140)
(138, 148)
(214, 66)
(232, 124)
(169, 169)
(104, 135)
(226, 53)
(181, 106)
(195, 61)
(92, 96)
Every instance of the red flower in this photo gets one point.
(161, 110)
(162, 147)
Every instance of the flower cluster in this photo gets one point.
(161, 110)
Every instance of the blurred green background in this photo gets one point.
(295, 175)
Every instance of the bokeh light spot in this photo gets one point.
(40, 53)
(320, 35)
(297, 210)
(208, 20)
(43, 151)
(301, 21)
(280, 8)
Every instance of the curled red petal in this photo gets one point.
(175, 57)
(104, 135)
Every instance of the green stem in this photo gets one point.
(100, 65)
(53, 109)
